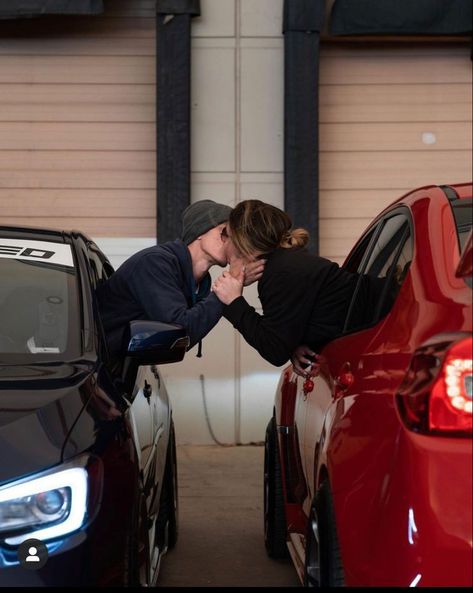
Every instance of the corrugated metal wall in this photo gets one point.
(77, 118)
(77, 149)
(392, 119)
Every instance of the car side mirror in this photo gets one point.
(153, 342)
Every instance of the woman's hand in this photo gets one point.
(253, 271)
(304, 366)
(228, 287)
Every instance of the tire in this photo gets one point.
(135, 574)
(275, 529)
(167, 522)
(323, 561)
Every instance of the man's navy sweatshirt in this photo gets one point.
(157, 283)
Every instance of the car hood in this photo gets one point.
(39, 404)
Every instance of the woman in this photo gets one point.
(304, 297)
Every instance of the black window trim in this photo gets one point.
(380, 226)
(458, 227)
(376, 226)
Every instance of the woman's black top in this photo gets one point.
(304, 299)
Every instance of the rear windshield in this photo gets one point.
(39, 308)
(463, 214)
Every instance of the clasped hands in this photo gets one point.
(229, 285)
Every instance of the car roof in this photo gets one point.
(40, 233)
(451, 192)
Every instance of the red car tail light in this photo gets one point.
(436, 394)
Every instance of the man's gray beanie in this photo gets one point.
(200, 217)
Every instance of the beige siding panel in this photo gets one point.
(395, 136)
(77, 136)
(87, 46)
(84, 169)
(386, 170)
(139, 136)
(440, 66)
(395, 103)
(357, 203)
(78, 202)
(77, 69)
(337, 236)
(97, 227)
(387, 50)
(78, 103)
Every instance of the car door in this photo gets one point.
(353, 364)
(149, 414)
(316, 403)
(149, 410)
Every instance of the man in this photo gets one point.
(171, 282)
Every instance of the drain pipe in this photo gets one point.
(302, 24)
(173, 69)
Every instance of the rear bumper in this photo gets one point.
(415, 525)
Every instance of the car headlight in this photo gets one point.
(44, 506)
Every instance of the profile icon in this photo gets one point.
(32, 554)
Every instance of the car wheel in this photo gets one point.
(168, 509)
(323, 561)
(275, 530)
(137, 569)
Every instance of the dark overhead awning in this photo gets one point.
(16, 9)
(394, 17)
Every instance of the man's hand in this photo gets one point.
(304, 366)
(227, 287)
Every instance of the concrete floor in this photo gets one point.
(221, 541)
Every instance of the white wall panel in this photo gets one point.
(208, 188)
(186, 390)
(262, 109)
(266, 191)
(213, 109)
(258, 382)
(217, 19)
(261, 18)
(119, 249)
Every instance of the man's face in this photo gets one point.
(214, 243)
(234, 257)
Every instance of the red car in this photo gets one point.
(368, 476)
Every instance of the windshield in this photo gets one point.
(39, 305)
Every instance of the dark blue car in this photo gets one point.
(87, 449)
